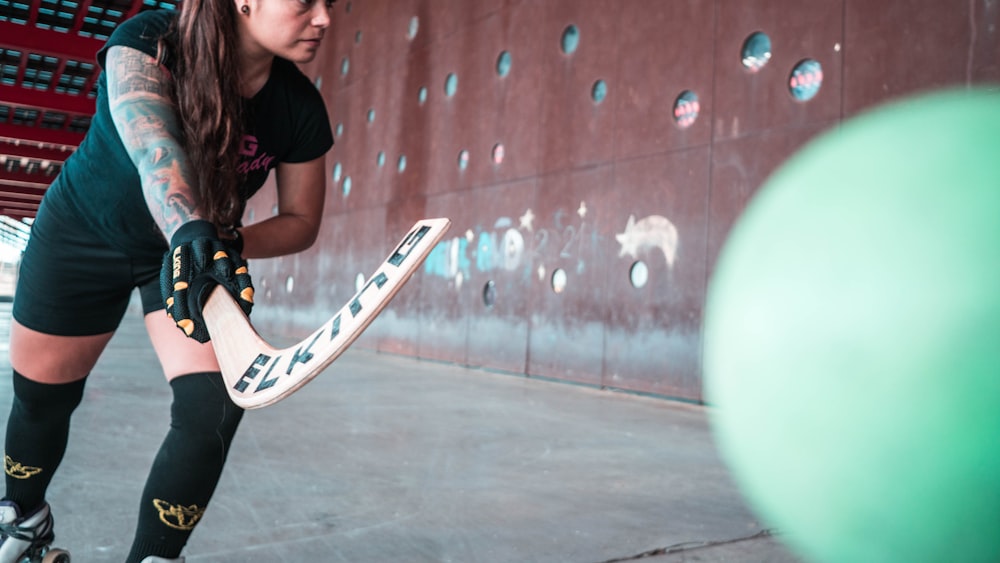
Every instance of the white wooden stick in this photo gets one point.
(257, 374)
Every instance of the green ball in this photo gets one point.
(852, 338)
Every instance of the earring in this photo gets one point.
(245, 9)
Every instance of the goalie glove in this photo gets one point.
(196, 262)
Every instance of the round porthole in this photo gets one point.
(498, 153)
(490, 294)
(756, 51)
(570, 39)
(639, 274)
(413, 28)
(559, 280)
(504, 62)
(686, 109)
(599, 91)
(806, 80)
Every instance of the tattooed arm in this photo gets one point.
(146, 119)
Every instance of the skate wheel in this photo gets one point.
(56, 556)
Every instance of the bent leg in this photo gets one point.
(49, 377)
(203, 421)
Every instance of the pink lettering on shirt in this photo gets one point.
(252, 161)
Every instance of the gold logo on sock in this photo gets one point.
(178, 517)
(18, 471)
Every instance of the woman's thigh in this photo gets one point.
(48, 358)
(178, 354)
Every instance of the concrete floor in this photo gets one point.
(391, 459)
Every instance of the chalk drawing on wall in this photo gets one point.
(528, 220)
(515, 244)
(653, 232)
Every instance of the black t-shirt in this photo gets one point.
(287, 122)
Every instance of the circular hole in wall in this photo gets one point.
(463, 159)
(345, 66)
(806, 80)
(559, 280)
(346, 188)
(498, 153)
(451, 84)
(318, 83)
(413, 28)
(756, 51)
(570, 39)
(599, 91)
(289, 284)
(686, 109)
(503, 63)
(638, 274)
(338, 172)
(339, 130)
(380, 159)
(401, 163)
(490, 294)
(422, 95)
(370, 116)
(357, 36)
(359, 283)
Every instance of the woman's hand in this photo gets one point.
(199, 260)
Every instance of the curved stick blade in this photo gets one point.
(257, 374)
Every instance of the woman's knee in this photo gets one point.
(202, 408)
(36, 400)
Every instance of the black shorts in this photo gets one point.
(72, 283)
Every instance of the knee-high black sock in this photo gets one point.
(37, 431)
(203, 421)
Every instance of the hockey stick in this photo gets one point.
(257, 374)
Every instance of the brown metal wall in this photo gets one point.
(577, 173)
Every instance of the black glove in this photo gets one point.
(198, 261)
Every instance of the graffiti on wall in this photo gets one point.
(653, 232)
(522, 248)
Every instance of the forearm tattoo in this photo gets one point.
(147, 122)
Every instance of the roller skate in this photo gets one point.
(27, 539)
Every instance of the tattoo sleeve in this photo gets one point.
(149, 127)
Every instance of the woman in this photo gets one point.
(193, 110)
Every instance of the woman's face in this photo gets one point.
(290, 29)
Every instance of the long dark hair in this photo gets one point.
(207, 93)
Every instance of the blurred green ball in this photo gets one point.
(852, 338)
